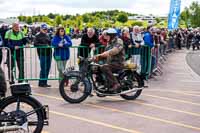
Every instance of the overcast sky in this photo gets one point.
(10, 8)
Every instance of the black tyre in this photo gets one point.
(138, 82)
(26, 104)
(71, 87)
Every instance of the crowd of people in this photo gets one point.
(160, 41)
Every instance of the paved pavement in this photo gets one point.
(169, 105)
(193, 59)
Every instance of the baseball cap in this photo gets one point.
(44, 26)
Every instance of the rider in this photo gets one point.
(2, 84)
(115, 55)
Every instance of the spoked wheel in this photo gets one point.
(28, 113)
(73, 90)
(137, 82)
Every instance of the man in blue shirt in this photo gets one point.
(149, 41)
(148, 37)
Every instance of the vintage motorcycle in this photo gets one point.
(76, 86)
(22, 113)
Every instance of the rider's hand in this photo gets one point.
(104, 54)
(95, 58)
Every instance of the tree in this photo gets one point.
(122, 17)
(137, 23)
(185, 16)
(191, 15)
(35, 19)
(22, 18)
(51, 16)
(29, 20)
(195, 14)
(58, 20)
(85, 18)
(158, 20)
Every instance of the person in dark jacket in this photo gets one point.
(90, 41)
(3, 87)
(61, 42)
(14, 38)
(45, 54)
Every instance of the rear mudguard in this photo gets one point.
(86, 80)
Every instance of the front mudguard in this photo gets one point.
(86, 80)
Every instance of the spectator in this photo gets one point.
(126, 40)
(45, 54)
(137, 41)
(89, 40)
(61, 42)
(179, 39)
(3, 31)
(68, 30)
(148, 37)
(148, 40)
(25, 30)
(102, 39)
(137, 37)
(14, 38)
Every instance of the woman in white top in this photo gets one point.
(137, 37)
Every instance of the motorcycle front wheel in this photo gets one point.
(73, 90)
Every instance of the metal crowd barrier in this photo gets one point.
(31, 60)
(5, 58)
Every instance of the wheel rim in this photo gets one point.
(134, 85)
(23, 109)
(73, 89)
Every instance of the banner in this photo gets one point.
(174, 14)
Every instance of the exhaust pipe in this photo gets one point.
(122, 93)
(14, 128)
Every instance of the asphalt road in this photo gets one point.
(193, 59)
(169, 105)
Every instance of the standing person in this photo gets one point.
(90, 41)
(102, 39)
(137, 41)
(45, 54)
(126, 40)
(14, 38)
(179, 38)
(68, 30)
(61, 42)
(149, 41)
(137, 37)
